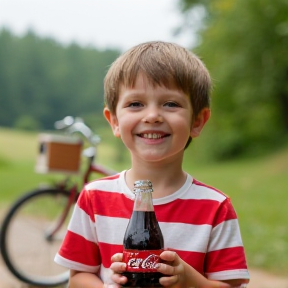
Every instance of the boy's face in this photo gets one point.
(153, 122)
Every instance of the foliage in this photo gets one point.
(244, 44)
(27, 122)
(47, 81)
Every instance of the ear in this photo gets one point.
(199, 122)
(112, 120)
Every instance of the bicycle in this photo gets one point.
(43, 214)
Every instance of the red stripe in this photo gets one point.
(189, 211)
(112, 204)
(226, 259)
(76, 248)
(226, 212)
(194, 259)
(107, 251)
(105, 204)
(84, 203)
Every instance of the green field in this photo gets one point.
(258, 189)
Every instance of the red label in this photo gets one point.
(141, 261)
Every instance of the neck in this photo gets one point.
(165, 177)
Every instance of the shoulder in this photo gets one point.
(104, 184)
(102, 188)
(106, 191)
(202, 191)
(105, 196)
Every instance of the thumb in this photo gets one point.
(169, 256)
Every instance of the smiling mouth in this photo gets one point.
(152, 135)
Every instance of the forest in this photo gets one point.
(42, 81)
(242, 42)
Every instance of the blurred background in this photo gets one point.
(53, 59)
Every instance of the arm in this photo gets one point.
(80, 279)
(84, 280)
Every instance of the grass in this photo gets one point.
(258, 190)
(257, 187)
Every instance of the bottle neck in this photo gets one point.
(143, 201)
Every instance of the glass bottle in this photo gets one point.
(143, 241)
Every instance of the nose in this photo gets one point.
(153, 115)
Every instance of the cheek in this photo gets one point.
(183, 123)
(125, 125)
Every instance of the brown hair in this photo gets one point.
(162, 63)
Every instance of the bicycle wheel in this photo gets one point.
(27, 247)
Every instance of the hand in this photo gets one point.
(173, 266)
(182, 275)
(118, 267)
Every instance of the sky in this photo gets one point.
(100, 23)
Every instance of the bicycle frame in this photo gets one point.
(97, 168)
(74, 194)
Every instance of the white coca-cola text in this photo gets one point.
(147, 263)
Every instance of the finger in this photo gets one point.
(167, 269)
(118, 267)
(169, 256)
(168, 281)
(119, 279)
(117, 257)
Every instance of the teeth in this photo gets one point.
(152, 136)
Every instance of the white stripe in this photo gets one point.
(225, 235)
(111, 230)
(229, 274)
(202, 192)
(75, 265)
(105, 275)
(176, 235)
(81, 224)
(103, 185)
(186, 237)
(187, 191)
(117, 185)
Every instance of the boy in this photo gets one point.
(157, 100)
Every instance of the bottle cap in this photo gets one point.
(142, 186)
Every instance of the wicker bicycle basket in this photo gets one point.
(58, 153)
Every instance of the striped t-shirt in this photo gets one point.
(197, 221)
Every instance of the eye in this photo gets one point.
(171, 104)
(135, 104)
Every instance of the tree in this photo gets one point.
(244, 44)
(47, 81)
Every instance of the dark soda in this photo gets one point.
(143, 242)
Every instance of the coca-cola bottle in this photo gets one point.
(143, 240)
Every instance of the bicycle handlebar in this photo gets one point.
(72, 125)
(64, 123)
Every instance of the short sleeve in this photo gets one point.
(225, 258)
(79, 249)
